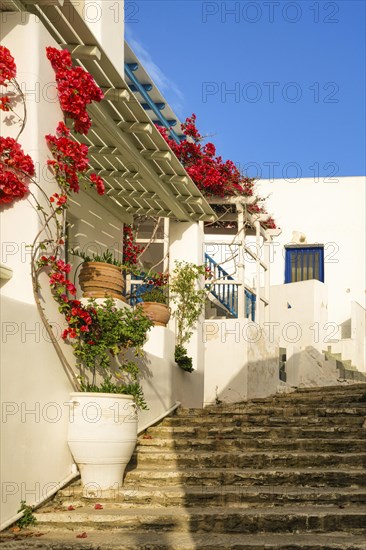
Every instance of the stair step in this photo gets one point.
(246, 460)
(219, 443)
(353, 419)
(228, 496)
(167, 540)
(250, 432)
(339, 477)
(275, 410)
(282, 519)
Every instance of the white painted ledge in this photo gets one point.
(6, 273)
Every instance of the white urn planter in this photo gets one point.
(102, 436)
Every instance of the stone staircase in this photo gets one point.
(346, 370)
(286, 472)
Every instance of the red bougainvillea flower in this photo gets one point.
(208, 171)
(15, 170)
(8, 68)
(70, 163)
(131, 250)
(99, 183)
(5, 103)
(76, 88)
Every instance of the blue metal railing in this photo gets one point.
(227, 294)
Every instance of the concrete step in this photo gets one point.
(290, 410)
(281, 519)
(166, 540)
(254, 477)
(218, 443)
(354, 418)
(204, 459)
(252, 431)
(228, 496)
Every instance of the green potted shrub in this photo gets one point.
(101, 275)
(107, 341)
(189, 300)
(155, 298)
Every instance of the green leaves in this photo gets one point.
(113, 334)
(187, 296)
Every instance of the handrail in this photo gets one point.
(228, 293)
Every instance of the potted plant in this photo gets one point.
(152, 297)
(189, 300)
(101, 275)
(106, 341)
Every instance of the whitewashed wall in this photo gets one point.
(327, 212)
(34, 388)
(299, 315)
(106, 18)
(186, 242)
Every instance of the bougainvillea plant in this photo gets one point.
(131, 250)
(76, 89)
(209, 172)
(95, 332)
(16, 169)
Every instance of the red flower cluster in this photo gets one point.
(131, 250)
(58, 282)
(79, 319)
(5, 103)
(76, 88)
(70, 162)
(99, 183)
(270, 223)
(8, 68)
(15, 169)
(159, 279)
(208, 171)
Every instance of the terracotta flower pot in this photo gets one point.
(158, 313)
(101, 280)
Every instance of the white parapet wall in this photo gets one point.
(328, 211)
(186, 243)
(226, 350)
(299, 315)
(158, 372)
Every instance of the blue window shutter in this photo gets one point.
(299, 260)
(321, 265)
(288, 277)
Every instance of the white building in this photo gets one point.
(238, 350)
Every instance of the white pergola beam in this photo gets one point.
(83, 52)
(135, 127)
(156, 155)
(116, 94)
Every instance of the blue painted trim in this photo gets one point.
(146, 87)
(147, 106)
(169, 121)
(129, 72)
(303, 255)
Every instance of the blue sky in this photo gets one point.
(296, 71)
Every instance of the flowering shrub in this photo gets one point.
(70, 161)
(8, 68)
(76, 88)
(209, 172)
(131, 250)
(99, 333)
(155, 287)
(15, 170)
